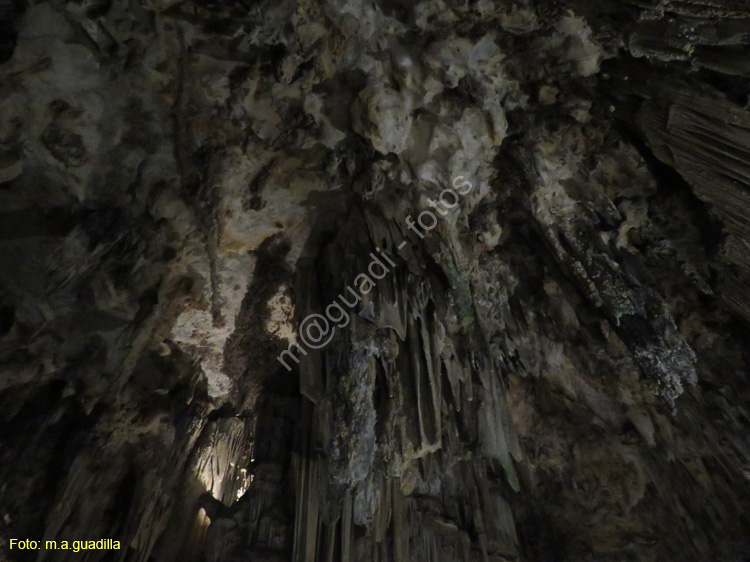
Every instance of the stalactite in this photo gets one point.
(554, 370)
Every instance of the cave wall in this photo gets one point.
(556, 371)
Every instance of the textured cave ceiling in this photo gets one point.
(557, 371)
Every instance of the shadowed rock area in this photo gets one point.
(375, 280)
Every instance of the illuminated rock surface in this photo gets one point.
(557, 371)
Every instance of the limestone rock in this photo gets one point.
(371, 280)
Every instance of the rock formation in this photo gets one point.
(375, 281)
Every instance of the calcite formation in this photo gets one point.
(555, 369)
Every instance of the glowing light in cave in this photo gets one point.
(203, 520)
(244, 483)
